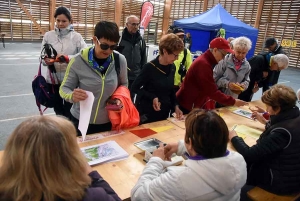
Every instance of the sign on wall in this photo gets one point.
(288, 43)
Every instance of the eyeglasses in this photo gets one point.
(223, 54)
(175, 55)
(134, 24)
(106, 46)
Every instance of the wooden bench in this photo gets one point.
(2, 38)
(258, 194)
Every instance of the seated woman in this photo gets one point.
(210, 173)
(274, 162)
(95, 70)
(232, 73)
(155, 84)
(42, 162)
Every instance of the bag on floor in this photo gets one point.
(44, 95)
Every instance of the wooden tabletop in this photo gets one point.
(122, 175)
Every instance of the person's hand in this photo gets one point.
(48, 61)
(160, 152)
(259, 117)
(156, 104)
(178, 113)
(232, 134)
(79, 95)
(255, 89)
(235, 86)
(239, 103)
(257, 109)
(65, 58)
(265, 74)
(170, 149)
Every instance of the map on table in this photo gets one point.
(100, 136)
(104, 152)
(243, 113)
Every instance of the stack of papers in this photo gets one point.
(104, 152)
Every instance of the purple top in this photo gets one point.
(199, 157)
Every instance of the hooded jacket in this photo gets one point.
(66, 42)
(134, 50)
(128, 117)
(80, 73)
(217, 179)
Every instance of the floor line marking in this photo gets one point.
(12, 119)
(16, 95)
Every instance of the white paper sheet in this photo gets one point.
(85, 113)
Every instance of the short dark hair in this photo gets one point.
(107, 30)
(269, 42)
(63, 10)
(207, 132)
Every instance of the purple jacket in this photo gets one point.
(99, 190)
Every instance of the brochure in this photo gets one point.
(104, 152)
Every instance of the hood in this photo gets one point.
(225, 174)
(64, 31)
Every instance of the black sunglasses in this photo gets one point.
(105, 46)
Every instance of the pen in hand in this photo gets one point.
(233, 127)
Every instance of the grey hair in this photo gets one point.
(131, 16)
(242, 42)
(298, 94)
(282, 60)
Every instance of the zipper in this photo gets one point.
(271, 176)
(102, 89)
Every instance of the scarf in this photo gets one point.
(237, 63)
(94, 63)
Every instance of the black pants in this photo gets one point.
(246, 95)
(61, 106)
(93, 128)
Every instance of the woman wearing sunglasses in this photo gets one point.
(94, 70)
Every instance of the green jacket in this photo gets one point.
(187, 64)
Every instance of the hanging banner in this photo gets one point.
(146, 14)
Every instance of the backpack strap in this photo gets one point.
(184, 56)
(117, 65)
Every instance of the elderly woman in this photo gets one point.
(274, 162)
(211, 172)
(232, 73)
(154, 86)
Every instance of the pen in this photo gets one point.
(233, 127)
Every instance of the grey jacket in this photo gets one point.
(67, 42)
(225, 72)
(134, 50)
(81, 74)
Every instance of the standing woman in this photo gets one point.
(96, 70)
(67, 43)
(154, 86)
(232, 73)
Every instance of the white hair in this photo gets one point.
(298, 94)
(131, 16)
(282, 60)
(242, 43)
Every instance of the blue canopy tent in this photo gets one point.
(204, 27)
